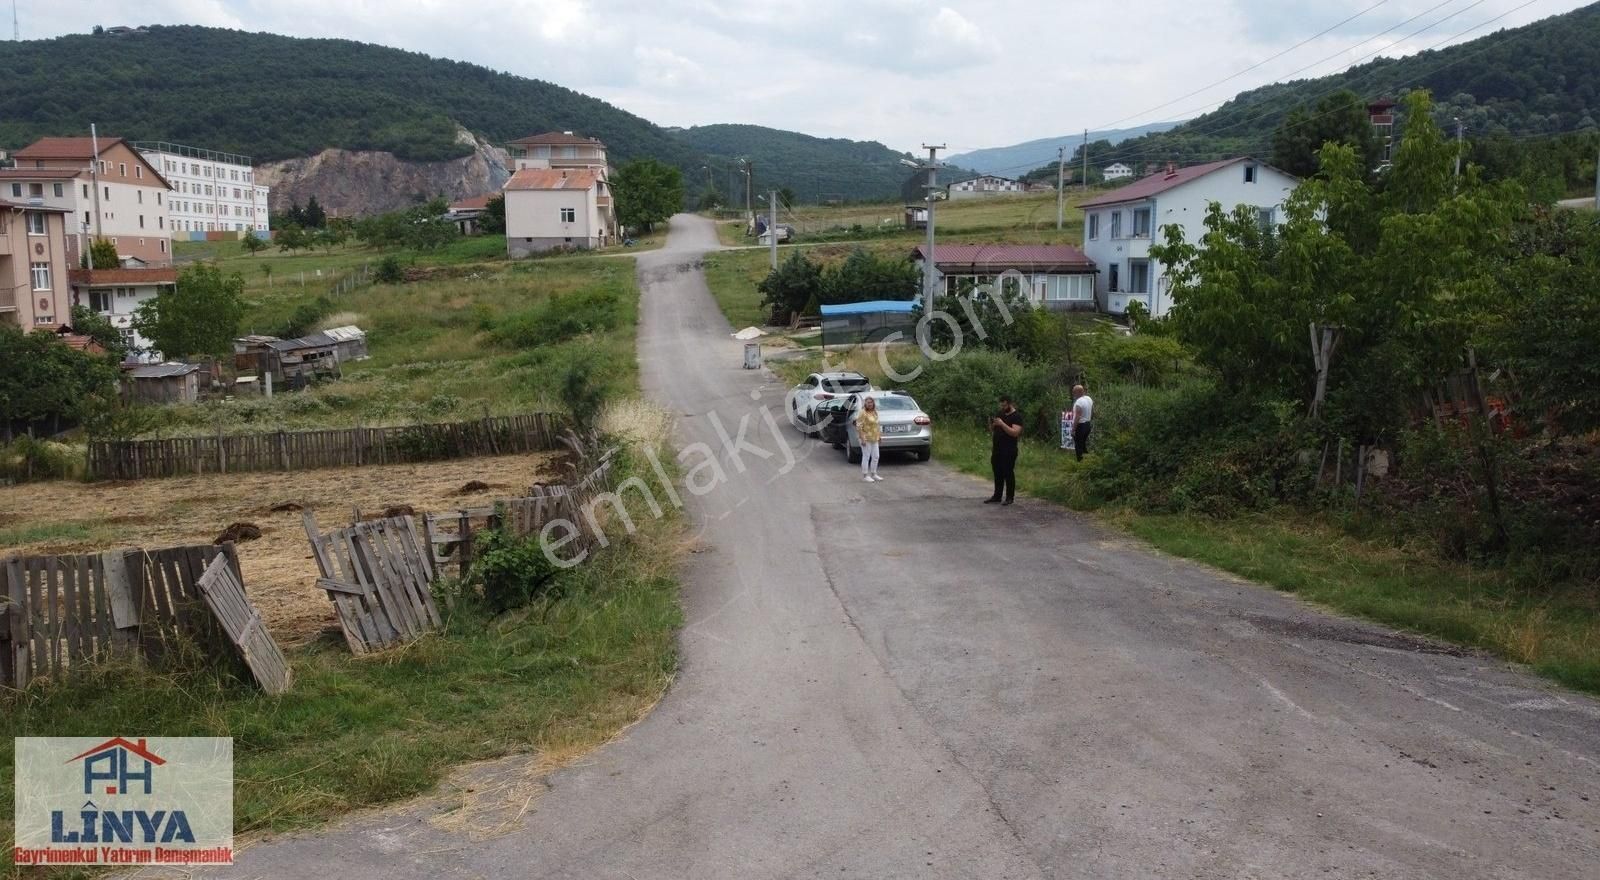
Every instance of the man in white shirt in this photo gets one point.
(1082, 414)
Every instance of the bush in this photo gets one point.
(26, 458)
(559, 318)
(303, 319)
(1140, 358)
(390, 270)
(968, 388)
(512, 571)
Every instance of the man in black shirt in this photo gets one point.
(1006, 428)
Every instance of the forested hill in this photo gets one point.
(815, 168)
(273, 97)
(1539, 79)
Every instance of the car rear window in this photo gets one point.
(896, 402)
(847, 386)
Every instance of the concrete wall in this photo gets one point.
(20, 303)
(533, 220)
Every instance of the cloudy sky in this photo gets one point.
(969, 73)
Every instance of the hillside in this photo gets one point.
(1013, 160)
(285, 100)
(1539, 79)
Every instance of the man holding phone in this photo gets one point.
(1005, 428)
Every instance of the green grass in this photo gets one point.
(56, 531)
(1557, 635)
(732, 278)
(1024, 219)
(360, 732)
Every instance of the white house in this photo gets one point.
(1119, 226)
(115, 294)
(987, 185)
(566, 151)
(1116, 171)
(554, 208)
(1057, 277)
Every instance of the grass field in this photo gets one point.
(1313, 557)
(1022, 219)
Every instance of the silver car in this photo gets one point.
(904, 426)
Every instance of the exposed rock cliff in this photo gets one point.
(349, 183)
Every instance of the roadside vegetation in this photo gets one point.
(1211, 440)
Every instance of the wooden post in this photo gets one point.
(283, 449)
(464, 544)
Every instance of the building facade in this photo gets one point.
(34, 291)
(986, 185)
(1056, 277)
(211, 191)
(565, 151)
(1119, 226)
(118, 196)
(115, 294)
(553, 209)
(1116, 171)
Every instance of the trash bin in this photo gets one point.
(752, 355)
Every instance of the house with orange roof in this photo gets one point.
(116, 195)
(559, 196)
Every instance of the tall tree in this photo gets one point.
(647, 192)
(1339, 118)
(494, 216)
(199, 316)
(103, 255)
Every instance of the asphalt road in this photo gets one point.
(895, 680)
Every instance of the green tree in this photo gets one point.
(313, 217)
(103, 254)
(198, 316)
(292, 237)
(493, 220)
(863, 277)
(647, 192)
(100, 329)
(786, 197)
(251, 244)
(789, 288)
(710, 200)
(1338, 118)
(45, 380)
(266, 269)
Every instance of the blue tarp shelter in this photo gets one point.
(858, 322)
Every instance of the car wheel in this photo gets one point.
(852, 454)
(925, 453)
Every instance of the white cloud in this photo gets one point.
(973, 73)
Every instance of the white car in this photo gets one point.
(818, 388)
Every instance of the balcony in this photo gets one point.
(603, 201)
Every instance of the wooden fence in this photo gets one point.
(306, 450)
(62, 612)
(224, 594)
(380, 577)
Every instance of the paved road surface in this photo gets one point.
(895, 680)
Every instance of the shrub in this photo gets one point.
(26, 458)
(390, 270)
(1143, 359)
(559, 318)
(512, 571)
(968, 388)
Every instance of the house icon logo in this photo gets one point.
(119, 766)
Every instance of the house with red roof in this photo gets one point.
(1120, 225)
(115, 194)
(1056, 276)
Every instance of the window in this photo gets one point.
(1010, 285)
(1111, 278)
(138, 196)
(36, 190)
(1266, 218)
(85, 219)
(1116, 224)
(138, 172)
(1138, 276)
(108, 193)
(1094, 226)
(59, 190)
(1249, 173)
(141, 221)
(161, 222)
(163, 245)
(16, 190)
(1064, 288)
(41, 276)
(122, 169)
(86, 190)
(100, 300)
(569, 152)
(569, 215)
(1141, 223)
(158, 198)
(36, 223)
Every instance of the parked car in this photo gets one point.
(818, 387)
(905, 427)
(830, 418)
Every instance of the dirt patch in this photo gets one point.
(238, 533)
(1352, 633)
(473, 487)
(279, 573)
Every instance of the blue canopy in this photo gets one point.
(870, 308)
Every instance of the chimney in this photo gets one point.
(1172, 169)
(567, 132)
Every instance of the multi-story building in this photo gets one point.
(212, 191)
(34, 291)
(984, 185)
(116, 294)
(1119, 226)
(117, 195)
(565, 151)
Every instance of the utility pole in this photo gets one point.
(1458, 146)
(772, 224)
(1597, 181)
(1061, 184)
(749, 212)
(1085, 183)
(929, 270)
(94, 177)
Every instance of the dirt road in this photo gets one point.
(895, 680)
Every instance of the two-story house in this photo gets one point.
(1116, 171)
(117, 195)
(33, 265)
(1119, 226)
(984, 185)
(554, 208)
(116, 294)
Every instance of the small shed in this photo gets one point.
(292, 363)
(350, 342)
(162, 383)
(874, 321)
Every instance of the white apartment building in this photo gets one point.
(211, 191)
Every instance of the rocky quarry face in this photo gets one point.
(351, 183)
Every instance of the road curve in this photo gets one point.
(895, 680)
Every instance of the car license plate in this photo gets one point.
(896, 429)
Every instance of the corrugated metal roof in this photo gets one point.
(1154, 184)
(869, 308)
(162, 371)
(347, 333)
(1012, 256)
(549, 179)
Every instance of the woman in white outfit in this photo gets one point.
(870, 433)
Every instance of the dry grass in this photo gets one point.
(69, 517)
